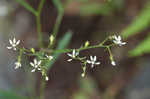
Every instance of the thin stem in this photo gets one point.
(42, 89)
(56, 26)
(40, 37)
(69, 50)
(38, 23)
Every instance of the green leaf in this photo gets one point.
(61, 45)
(141, 22)
(58, 5)
(27, 6)
(142, 48)
(10, 95)
(95, 8)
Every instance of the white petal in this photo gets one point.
(69, 60)
(16, 67)
(14, 48)
(39, 62)
(92, 65)
(97, 63)
(35, 61)
(69, 54)
(83, 74)
(33, 70)
(31, 64)
(91, 57)
(77, 53)
(88, 61)
(73, 52)
(50, 57)
(46, 78)
(94, 58)
(17, 42)
(115, 37)
(113, 63)
(119, 38)
(10, 41)
(123, 43)
(39, 68)
(14, 40)
(9, 47)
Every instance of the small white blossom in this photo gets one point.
(92, 61)
(73, 55)
(83, 75)
(117, 40)
(18, 64)
(13, 44)
(113, 63)
(36, 65)
(46, 78)
(49, 57)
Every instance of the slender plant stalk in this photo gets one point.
(80, 49)
(56, 27)
(57, 24)
(38, 23)
(40, 37)
(42, 89)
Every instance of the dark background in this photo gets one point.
(129, 79)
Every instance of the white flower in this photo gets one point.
(18, 64)
(117, 40)
(13, 44)
(113, 63)
(49, 57)
(46, 78)
(93, 61)
(83, 75)
(36, 65)
(73, 55)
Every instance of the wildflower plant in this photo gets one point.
(45, 56)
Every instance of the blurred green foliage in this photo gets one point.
(58, 5)
(106, 8)
(87, 88)
(10, 95)
(95, 8)
(141, 22)
(143, 47)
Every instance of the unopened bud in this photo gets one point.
(86, 44)
(51, 39)
(32, 50)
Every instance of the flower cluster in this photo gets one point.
(75, 55)
(36, 64)
(41, 57)
(93, 59)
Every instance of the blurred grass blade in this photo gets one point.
(27, 6)
(10, 95)
(142, 48)
(58, 5)
(141, 22)
(95, 8)
(61, 45)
